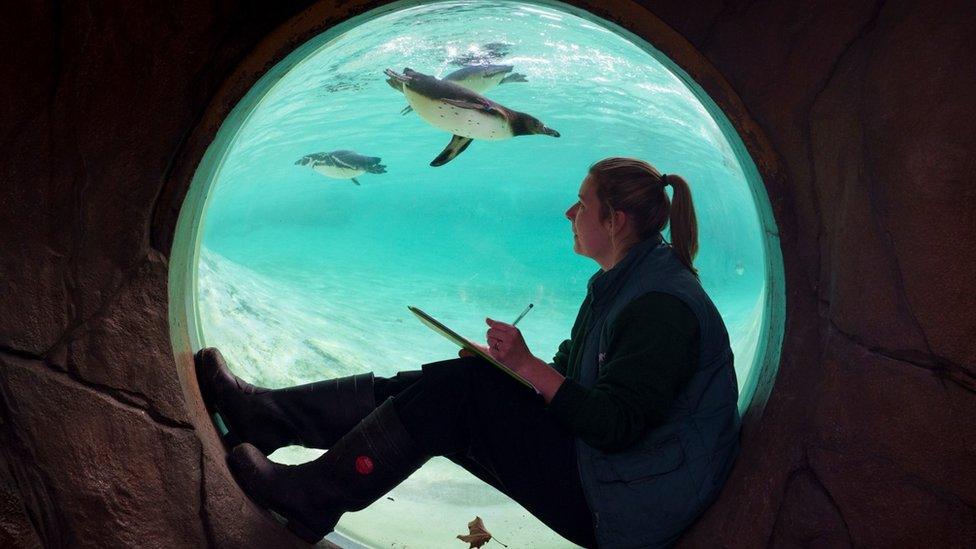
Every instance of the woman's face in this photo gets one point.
(591, 237)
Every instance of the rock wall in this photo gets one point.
(864, 122)
(867, 437)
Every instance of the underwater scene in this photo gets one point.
(326, 218)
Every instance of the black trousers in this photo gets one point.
(498, 430)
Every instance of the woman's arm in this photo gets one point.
(560, 361)
(651, 355)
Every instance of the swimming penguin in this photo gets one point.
(466, 114)
(342, 164)
(487, 53)
(477, 78)
(481, 78)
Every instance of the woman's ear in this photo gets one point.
(619, 223)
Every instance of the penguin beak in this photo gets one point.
(549, 131)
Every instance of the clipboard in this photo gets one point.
(464, 343)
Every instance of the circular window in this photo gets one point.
(303, 260)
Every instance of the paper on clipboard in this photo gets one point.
(463, 342)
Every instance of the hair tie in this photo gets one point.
(664, 180)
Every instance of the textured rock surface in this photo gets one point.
(866, 439)
(100, 351)
(862, 118)
(16, 529)
(100, 466)
(808, 517)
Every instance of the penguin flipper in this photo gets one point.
(354, 180)
(407, 110)
(341, 162)
(494, 70)
(454, 148)
(514, 77)
(469, 104)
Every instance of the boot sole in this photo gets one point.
(293, 525)
(227, 437)
(302, 531)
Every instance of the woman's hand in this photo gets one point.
(463, 351)
(506, 345)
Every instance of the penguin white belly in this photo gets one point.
(336, 172)
(464, 122)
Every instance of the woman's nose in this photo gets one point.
(571, 212)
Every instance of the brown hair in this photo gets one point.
(636, 188)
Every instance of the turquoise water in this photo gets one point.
(303, 277)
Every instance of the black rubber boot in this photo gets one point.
(314, 415)
(361, 467)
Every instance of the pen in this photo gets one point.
(525, 312)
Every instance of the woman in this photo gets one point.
(631, 432)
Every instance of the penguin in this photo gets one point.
(477, 78)
(481, 78)
(342, 164)
(487, 53)
(466, 114)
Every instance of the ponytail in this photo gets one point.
(636, 188)
(684, 223)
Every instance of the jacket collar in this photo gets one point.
(604, 284)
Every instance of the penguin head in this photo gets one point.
(524, 124)
(546, 130)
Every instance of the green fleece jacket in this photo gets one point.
(652, 353)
